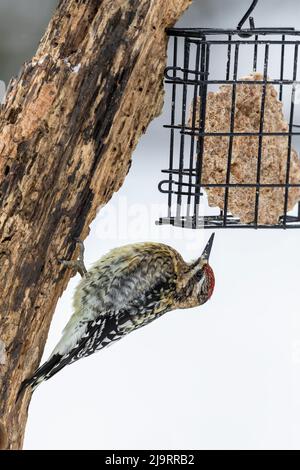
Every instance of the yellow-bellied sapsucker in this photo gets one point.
(125, 290)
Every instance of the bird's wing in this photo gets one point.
(109, 327)
(122, 277)
(134, 296)
(96, 333)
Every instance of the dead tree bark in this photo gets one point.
(67, 132)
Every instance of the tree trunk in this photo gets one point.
(67, 132)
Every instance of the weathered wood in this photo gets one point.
(67, 132)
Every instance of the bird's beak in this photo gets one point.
(206, 252)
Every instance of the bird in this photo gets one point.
(125, 290)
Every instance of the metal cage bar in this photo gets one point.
(260, 138)
(191, 76)
(232, 120)
(205, 56)
(172, 133)
(288, 164)
(193, 140)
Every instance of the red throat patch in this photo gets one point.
(211, 279)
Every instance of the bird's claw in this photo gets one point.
(78, 264)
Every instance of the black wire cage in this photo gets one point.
(233, 132)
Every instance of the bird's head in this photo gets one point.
(198, 281)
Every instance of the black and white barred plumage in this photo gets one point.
(125, 290)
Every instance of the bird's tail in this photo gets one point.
(42, 373)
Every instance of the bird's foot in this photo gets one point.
(78, 265)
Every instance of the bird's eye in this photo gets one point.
(199, 275)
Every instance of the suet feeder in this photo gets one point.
(234, 128)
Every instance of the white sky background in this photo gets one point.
(225, 375)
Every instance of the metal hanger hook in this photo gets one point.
(247, 14)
